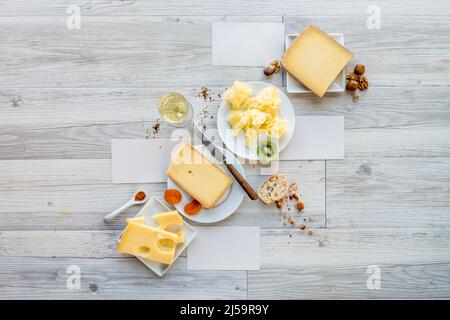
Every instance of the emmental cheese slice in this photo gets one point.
(198, 176)
(171, 221)
(148, 242)
(315, 59)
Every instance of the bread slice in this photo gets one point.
(273, 189)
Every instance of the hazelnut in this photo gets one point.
(352, 85)
(300, 205)
(272, 68)
(360, 69)
(269, 70)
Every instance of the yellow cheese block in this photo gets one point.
(148, 242)
(198, 176)
(315, 59)
(171, 221)
(139, 219)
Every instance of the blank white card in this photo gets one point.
(246, 44)
(316, 138)
(224, 248)
(140, 160)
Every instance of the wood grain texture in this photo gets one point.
(335, 248)
(389, 192)
(398, 281)
(218, 7)
(114, 278)
(116, 52)
(66, 93)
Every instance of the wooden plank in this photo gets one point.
(217, 7)
(115, 52)
(388, 192)
(114, 278)
(76, 194)
(347, 248)
(68, 123)
(179, 53)
(399, 281)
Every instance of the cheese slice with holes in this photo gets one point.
(315, 59)
(170, 221)
(148, 242)
(198, 176)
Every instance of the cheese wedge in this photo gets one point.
(315, 59)
(198, 176)
(148, 242)
(171, 221)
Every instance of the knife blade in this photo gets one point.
(221, 156)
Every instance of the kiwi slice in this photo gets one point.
(267, 151)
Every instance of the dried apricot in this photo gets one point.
(172, 196)
(192, 207)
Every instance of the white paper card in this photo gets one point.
(224, 248)
(140, 160)
(316, 138)
(246, 44)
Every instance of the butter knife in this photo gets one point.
(216, 152)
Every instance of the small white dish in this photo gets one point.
(152, 207)
(292, 84)
(227, 205)
(237, 144)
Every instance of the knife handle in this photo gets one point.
(244, 184)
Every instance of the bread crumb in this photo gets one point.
(291, 220)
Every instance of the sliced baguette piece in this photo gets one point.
(273, 189)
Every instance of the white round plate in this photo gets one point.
(226, 206)
(237, 144)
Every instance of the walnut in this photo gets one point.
(363, 83)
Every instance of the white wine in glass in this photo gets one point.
(175, 109)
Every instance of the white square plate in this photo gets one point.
(293, 86)
(152, 207)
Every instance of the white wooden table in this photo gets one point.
(65, 93)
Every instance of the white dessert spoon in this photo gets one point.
(138, 198)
